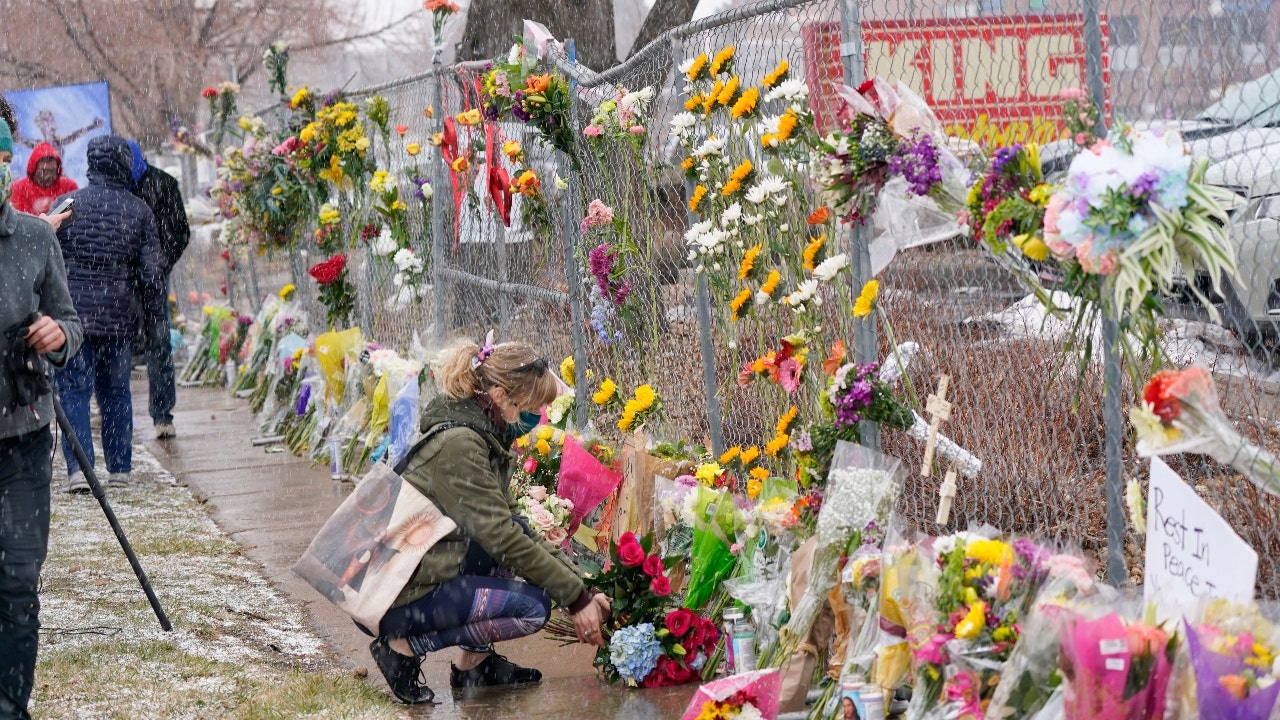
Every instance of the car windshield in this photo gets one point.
(1257, 97)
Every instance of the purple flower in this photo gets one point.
(919, 165)
(1031, 553)
(1144, 185)
(304, 398)
(1003, 157)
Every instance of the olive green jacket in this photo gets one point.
(470, 483)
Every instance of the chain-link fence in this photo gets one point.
(993, 71)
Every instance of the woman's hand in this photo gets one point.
(588, 620)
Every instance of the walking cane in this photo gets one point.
(101, 495)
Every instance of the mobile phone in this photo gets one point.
(64, 206)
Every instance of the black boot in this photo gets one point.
(402, 672)
(493, 670)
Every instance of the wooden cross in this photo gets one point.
(946, 494)
(940, 409)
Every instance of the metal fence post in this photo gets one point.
(715, 422)
(570, 212)
(1113, 422)
(1094, 75)
(256, 301)
(865, 339)
(439, 200)
(1112, 414)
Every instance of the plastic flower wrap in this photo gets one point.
(861, 490)
(1180, 414)
(1115, 666)
(746, 696)
(1030, 677)
(714, 533)
(585, 481)
(1232, 651)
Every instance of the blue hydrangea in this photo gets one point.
(1172, 190)
(634, 652)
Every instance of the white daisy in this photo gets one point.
(829, 268)
(803, 294)
(384, 245)
(789, 90)
(712, 146)
(683, 122)
(696, 231)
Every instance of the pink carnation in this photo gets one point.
(592, 130)
(637, 129)
(1072, 94)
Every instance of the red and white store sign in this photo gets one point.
(995, 80)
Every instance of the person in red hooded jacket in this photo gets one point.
(44, 182)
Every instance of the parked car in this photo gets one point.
(1251, 306)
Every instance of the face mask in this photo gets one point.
(527, 422)
(6, 182)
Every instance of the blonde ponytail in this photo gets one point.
(514, 366)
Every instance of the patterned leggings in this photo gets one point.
(473, 610)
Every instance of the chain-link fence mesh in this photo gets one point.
(993, 71)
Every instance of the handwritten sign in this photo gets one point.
(1191, 551)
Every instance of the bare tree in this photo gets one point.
(157, 55)
(493, 24)
(664, 14)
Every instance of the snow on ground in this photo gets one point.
(238, 647)
(1185, 342)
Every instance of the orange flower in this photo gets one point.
(470, 118)
(430, 112)
(754, 487)
(833, 363)
(402, 129)
(686, 164)
(694, 101)
(819, 216)
(527, 184)
(437, 139)
(698, 193)
(461, 165)
(537, 84)
(1236, 685)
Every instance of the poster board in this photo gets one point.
(1191, 551)
(67, 117)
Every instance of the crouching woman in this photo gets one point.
(464, 593)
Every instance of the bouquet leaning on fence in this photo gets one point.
(861, 491)
(1132, 216)
(1180, 414)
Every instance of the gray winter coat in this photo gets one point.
(33, 277)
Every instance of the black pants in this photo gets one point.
(25, 471)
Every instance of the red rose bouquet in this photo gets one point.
(651, 644)
(336, 292)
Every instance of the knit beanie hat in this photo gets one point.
(6, 137)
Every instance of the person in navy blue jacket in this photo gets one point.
(112, 252)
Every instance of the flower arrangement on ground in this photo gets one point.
(1092, 651)
(1180, 414)
(1233, 651)
(651, 644)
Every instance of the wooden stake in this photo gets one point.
(946, 494)
(940, 410)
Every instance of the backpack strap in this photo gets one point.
(436, 430)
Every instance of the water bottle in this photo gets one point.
(744, 646)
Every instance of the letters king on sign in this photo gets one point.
(1191, 551)
(993, 80)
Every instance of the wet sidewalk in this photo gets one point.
(273, 503)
